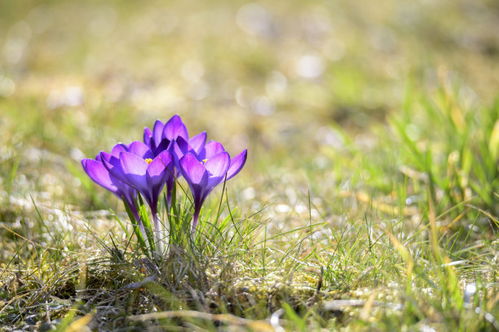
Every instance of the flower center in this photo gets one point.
(148, 160)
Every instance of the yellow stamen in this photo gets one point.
(148, 160)
(204, 160)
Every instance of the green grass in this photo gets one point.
(368, 202)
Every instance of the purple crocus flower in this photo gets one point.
(205, 152)
(205, 170)
(203, 177)
(213, 148)
(181, 147)
(136, 166)
(96, 170)
(163, 136)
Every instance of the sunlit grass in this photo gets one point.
(374, 182)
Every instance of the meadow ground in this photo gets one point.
(368, 202)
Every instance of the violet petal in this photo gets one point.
(236, 164)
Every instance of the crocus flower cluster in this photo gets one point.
(166, 153)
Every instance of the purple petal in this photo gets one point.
(119, 148)
(99, 174)
(217, 165)
(192, 170)
(157, 168)
(175, 128)
(156, 178)
(157, 131)
(110, 161)
(133, 164)
(113, 165)
(213, 182)
(147, 136)
(161, 147)
(105, 156)
(236, 164)
(134, 170)
(211, 149)
(180, 147)
(197, 142)
(166, 157)
(140, 149)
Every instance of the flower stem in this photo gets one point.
(195, 219)
(157, 234)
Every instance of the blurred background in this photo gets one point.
(294, 81)
(362, 119)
